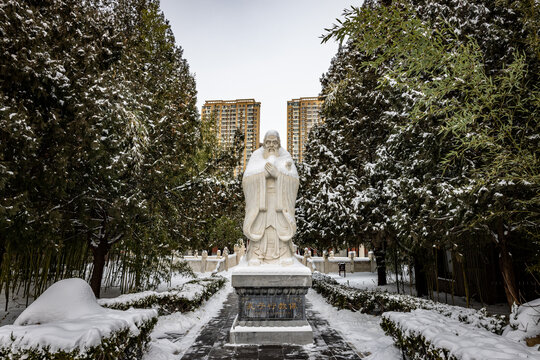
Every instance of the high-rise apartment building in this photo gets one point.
(244, 114)
(302, 114)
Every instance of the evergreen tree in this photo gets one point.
(419, 89)
(98, 124)
(54, 55)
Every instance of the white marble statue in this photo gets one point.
(270, 185)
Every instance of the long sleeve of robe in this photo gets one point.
(254, 187)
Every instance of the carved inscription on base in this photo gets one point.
(271, 304)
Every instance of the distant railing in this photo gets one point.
(212, 263)
(330, 264)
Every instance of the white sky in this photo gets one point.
(269, 50)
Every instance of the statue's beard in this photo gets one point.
(268, 152)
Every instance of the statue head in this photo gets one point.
(271, 143)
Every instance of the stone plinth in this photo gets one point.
(271, 305)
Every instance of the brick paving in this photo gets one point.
(212, 342)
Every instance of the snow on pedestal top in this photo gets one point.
(296, 268)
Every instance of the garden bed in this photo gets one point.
(426, 334)
(186, 298)
(377, 302)
(66, 323)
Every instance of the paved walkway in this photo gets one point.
(212, 342)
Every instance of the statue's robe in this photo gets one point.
(269, 221)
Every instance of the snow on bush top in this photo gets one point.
(65, 300)
(368, 300)
(524, 321)
(462, 340)
(66, 317)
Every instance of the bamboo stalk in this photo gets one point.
(436, 272)
(465, 283)
(410, 277)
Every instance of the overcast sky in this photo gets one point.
(269, 50)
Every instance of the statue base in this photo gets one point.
(271, 304)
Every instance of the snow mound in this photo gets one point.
(67, 317)
(524, 321)
(67, 299)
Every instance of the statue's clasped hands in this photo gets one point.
(271, 170)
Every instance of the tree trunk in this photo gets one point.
(396, 267)
(99, 253)
(465, 282)
(380, 258)
(2, 251)
(420, 277)
(507, 267)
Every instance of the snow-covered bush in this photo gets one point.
(319, 276)
(376, 302)
(524, 322)
(426, 334)
(66, 322)
(186, 298)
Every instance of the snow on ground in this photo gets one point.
(16, 305)
(175, 333)
(359, 280)
(188, 291)
(361, 331)
(176, 281)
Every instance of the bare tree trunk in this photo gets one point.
(2, 252)
(99, 253)
(396, 267)
(380, 259)
(465, 282)
(436, 251)
(507, 267)
(420, 277)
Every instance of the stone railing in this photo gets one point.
(324, 264)
(213, 263)
(328, 263)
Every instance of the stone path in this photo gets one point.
(212, 341)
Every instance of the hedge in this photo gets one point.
(376, 302)
(167, 302)
(426, 334)
(122, 345)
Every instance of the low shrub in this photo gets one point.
(426, 334)
(415, 346)
(124, 344)
(377, 302)
(186, 298)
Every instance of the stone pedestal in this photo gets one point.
(271, 305)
